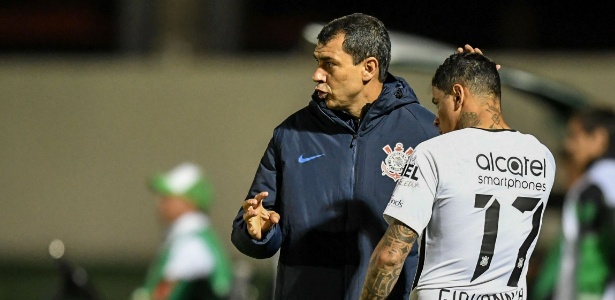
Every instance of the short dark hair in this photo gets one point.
(596, 117)
(365, 36)
(472, 70)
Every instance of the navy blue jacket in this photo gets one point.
(330, 179)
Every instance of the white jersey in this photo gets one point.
(480, 196)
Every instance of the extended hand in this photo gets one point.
(470, 49)
(258, 219)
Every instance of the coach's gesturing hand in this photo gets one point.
(258, 219)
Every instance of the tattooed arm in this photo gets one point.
(387, 261)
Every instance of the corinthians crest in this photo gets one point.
(395, 161)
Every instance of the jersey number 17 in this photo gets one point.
(492, 216)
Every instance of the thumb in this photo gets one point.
(274, 217)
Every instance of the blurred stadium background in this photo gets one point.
(97, 95)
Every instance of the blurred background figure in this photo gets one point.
(191, 264)
(582, 264)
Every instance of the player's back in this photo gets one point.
(490, 189)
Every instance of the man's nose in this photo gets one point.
(436, 122)
(319, 76)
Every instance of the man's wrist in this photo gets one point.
(266, 236)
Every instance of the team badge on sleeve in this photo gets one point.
(394, 163)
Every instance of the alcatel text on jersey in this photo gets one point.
(523, 167)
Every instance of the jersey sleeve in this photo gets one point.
(413, 197)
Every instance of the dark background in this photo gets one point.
(275, 25)
(522, 24)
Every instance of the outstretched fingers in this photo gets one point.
(255, 215)
(252, 205)
(470, 49)
(260, 196)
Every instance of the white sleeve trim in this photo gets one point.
(413, 198)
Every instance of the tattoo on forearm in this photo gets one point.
(387, 261)
(468, 119)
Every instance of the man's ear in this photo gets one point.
(601, 135)
(370, 68)
(459, 96)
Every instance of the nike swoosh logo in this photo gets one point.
(306, 159)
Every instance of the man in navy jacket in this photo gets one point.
(330, 168)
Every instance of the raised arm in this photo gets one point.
(387, 261)
(256, 229)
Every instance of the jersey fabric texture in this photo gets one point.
(194, 259)
(330, 178)
(582, 265)
(479, 196)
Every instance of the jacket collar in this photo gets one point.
(396, 92)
